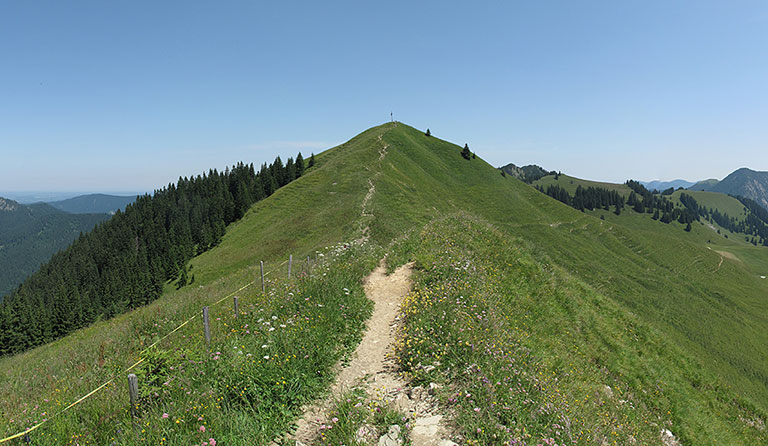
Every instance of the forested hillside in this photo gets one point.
(125, 262)
(31, 234)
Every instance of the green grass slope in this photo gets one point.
(309, 215)
(716, 311)
(653, 313)
(532, 355)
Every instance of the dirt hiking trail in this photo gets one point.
(373, 368)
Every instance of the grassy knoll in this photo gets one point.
(671, 281)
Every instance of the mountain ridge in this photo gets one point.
(612, 329)
(662, 185)
(93, 204)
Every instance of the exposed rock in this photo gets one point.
(403, 403)
(447, 443)
(365, 434)
(426, 426)
(391, 438)
(419, 393)
(433, 388)
(668, 438)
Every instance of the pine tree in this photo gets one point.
(428, 133)
(311, 160)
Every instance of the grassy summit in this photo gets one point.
(504, 273)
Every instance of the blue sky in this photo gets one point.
(129, 95)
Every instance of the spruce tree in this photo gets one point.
(428, 133)
(311, 160)
(299, 165)
(182, 278)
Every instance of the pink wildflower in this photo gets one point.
(202, 428)
(165, 415)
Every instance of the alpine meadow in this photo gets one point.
(525, 307)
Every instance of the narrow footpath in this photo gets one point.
(373, 368)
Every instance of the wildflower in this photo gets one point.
(202, 428)
(165, 415)
(211, 442)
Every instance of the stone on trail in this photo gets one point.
(365, 434)
(427, 426)
(391, 438)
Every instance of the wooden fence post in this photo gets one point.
(207, 328)
(262, 275)
(237, 308)
(290, 262)
(133, 393)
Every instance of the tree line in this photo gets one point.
(754, 226)
(662, 208)
(123, 263)
(640, 200)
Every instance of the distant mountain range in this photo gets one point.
(663, 185)
(31, 233)
(93, 204)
